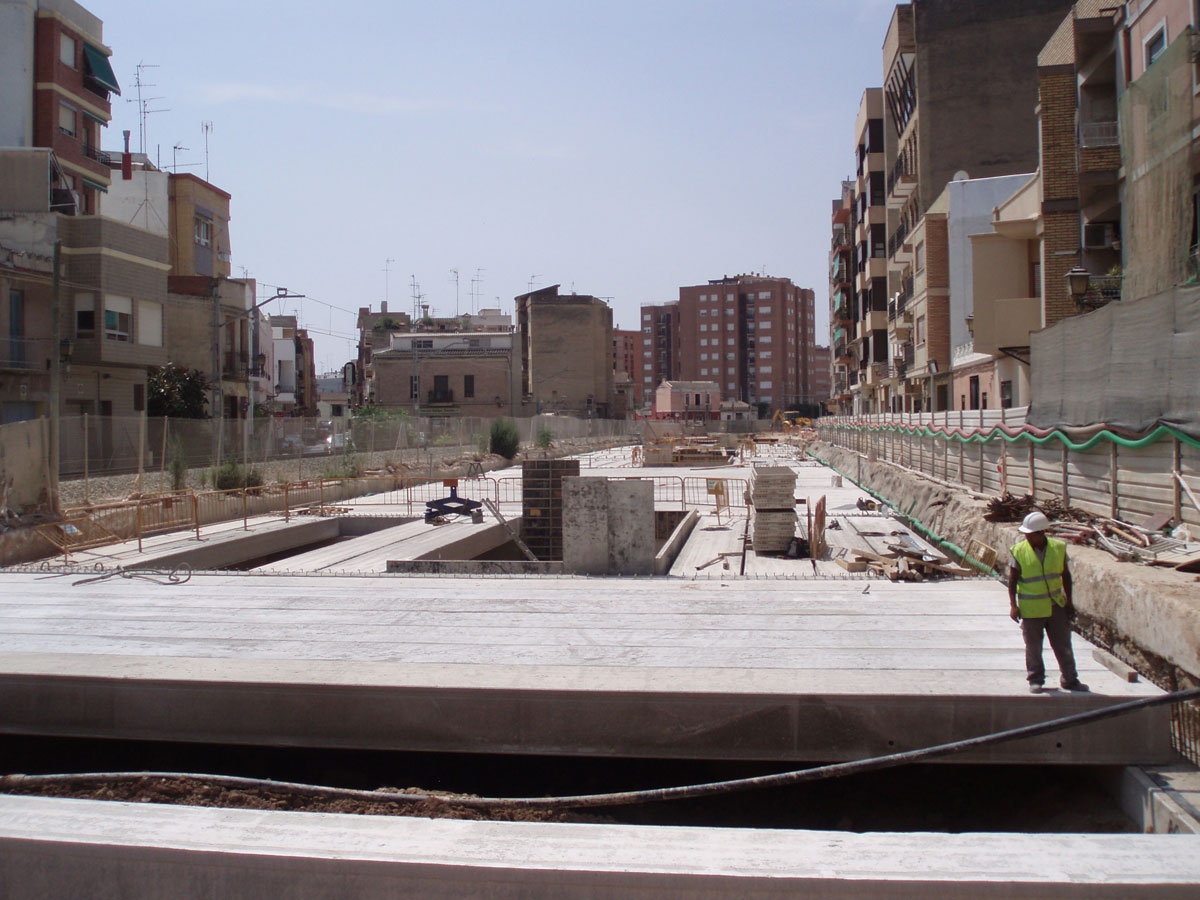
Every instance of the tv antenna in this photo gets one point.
(207, 128)
(454, 275)
(387, 262)
(143, 103)
(174, 155)
(417, 297)
(476, 280)
(531, 279)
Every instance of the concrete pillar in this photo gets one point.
(608, 526)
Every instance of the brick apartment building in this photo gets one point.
(754, 336)
(660, 353)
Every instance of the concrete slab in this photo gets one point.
(633, 667)
(61, 848)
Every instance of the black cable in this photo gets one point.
(630, 798)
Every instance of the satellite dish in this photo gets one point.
(961, 175)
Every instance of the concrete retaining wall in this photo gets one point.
(1148, 616)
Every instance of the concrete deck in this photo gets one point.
(78, 848)
(805, 670)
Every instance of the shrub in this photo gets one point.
(177, 465)
(504, 438)
(481, 441)
(230, 475)
(544, 438)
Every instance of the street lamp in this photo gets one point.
(1078, 280)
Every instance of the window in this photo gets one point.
(139, 397)
(703, 327)
(66, 119)
(645, 317)
(920, 330)
(730, 342)
(974, 388)
(765, 310)
(766, 398)
(731, 371)
(732, 326)
(118, 318)
(732, 386)
(764, 370)
(647, 330)
(647, 367)
(423, 344)
(203, 229)
(1155, 45)
(149, 323)
(468, 386)
(414, 387)
(764, 295)
(764, 339)
(766, 354)
(919, 257)
(704, 357)
(704, 312)
(16, 328)
(336, 410)
(647, 379)
(85, 315)
(1006, 395)
(704, 371)
(66, 50)
(764, 385)
(765, 324)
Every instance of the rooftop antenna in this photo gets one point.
(387, 262)
(143, 102)
(207, 128)
(454, 275)
(417, 296)
(174, 155)
(476, 280)
(531, 278)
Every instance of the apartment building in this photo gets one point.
(627, 354)
(753, 335)
(843, 303)
(55, 85)
(659, 349)
(946, 64)
(445, 373)
(868, 289)
(565, 345)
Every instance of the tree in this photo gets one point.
(177, 392)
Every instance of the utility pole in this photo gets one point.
(55, 434)
(454, 275)
(387, 262)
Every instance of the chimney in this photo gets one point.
(383, 306)
(126, 160)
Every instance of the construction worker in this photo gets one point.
(1039, 596)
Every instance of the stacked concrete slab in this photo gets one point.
(772, 495)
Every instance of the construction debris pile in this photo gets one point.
(1145, 542)
(772, 495)
(905, 560)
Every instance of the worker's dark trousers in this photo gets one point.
(1058, 628)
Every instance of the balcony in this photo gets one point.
(901, 181)
(23, 353)
(98, 155)
(235, 366)
(896, 241)
(1004, 323)
(1099, 134)
(436, 396)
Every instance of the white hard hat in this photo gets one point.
(1035, 521)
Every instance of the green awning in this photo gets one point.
(99, 69)
(95, 185)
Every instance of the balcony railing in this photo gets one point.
(98, 155)
(1099, 134)
(444, 396)
(20, 353)
(896, 241)
(901, 170)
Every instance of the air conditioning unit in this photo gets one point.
(1098, 236)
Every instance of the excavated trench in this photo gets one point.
(938, 798)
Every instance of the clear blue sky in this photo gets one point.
(621, 149)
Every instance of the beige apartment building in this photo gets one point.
(565, 347)
(442, 374)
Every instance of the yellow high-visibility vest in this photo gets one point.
(1040, 582)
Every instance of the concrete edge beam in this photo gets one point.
(60, 847)
(648, 724)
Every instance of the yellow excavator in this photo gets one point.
(786, 421)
